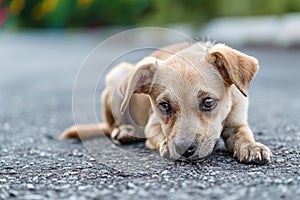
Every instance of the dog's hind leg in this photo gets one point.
(85, 131)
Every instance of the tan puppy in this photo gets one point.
(181, 99)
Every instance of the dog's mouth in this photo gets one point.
(174, 156)
(191, 159)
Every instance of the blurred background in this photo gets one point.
(232, 21)
(18, 14)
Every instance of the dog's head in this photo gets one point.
(190, 94)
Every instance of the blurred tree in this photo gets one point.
(75, 13)
(172, 11)
(93, 13)
(199, 11)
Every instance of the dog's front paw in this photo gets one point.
(124, 134)
(253, 153)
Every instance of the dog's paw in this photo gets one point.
(124, 134)
(253, 153)
(70, 133)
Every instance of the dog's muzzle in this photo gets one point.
(186, 149)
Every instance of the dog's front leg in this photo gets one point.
(240, 141)
(155, 138)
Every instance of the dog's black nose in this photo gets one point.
(187, 148)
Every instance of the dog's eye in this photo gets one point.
(208, 104)
(165, 108)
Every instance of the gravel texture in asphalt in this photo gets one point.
(37, 73)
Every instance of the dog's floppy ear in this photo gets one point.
(139, 81)
(235, 67)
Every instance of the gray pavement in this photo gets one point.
(36, 79)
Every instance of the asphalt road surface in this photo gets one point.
(37, 72)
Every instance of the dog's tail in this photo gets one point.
(85, 131)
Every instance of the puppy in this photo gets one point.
(180, 100)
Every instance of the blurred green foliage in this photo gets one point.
(75, 13)
(200, 11)
(94, 13)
